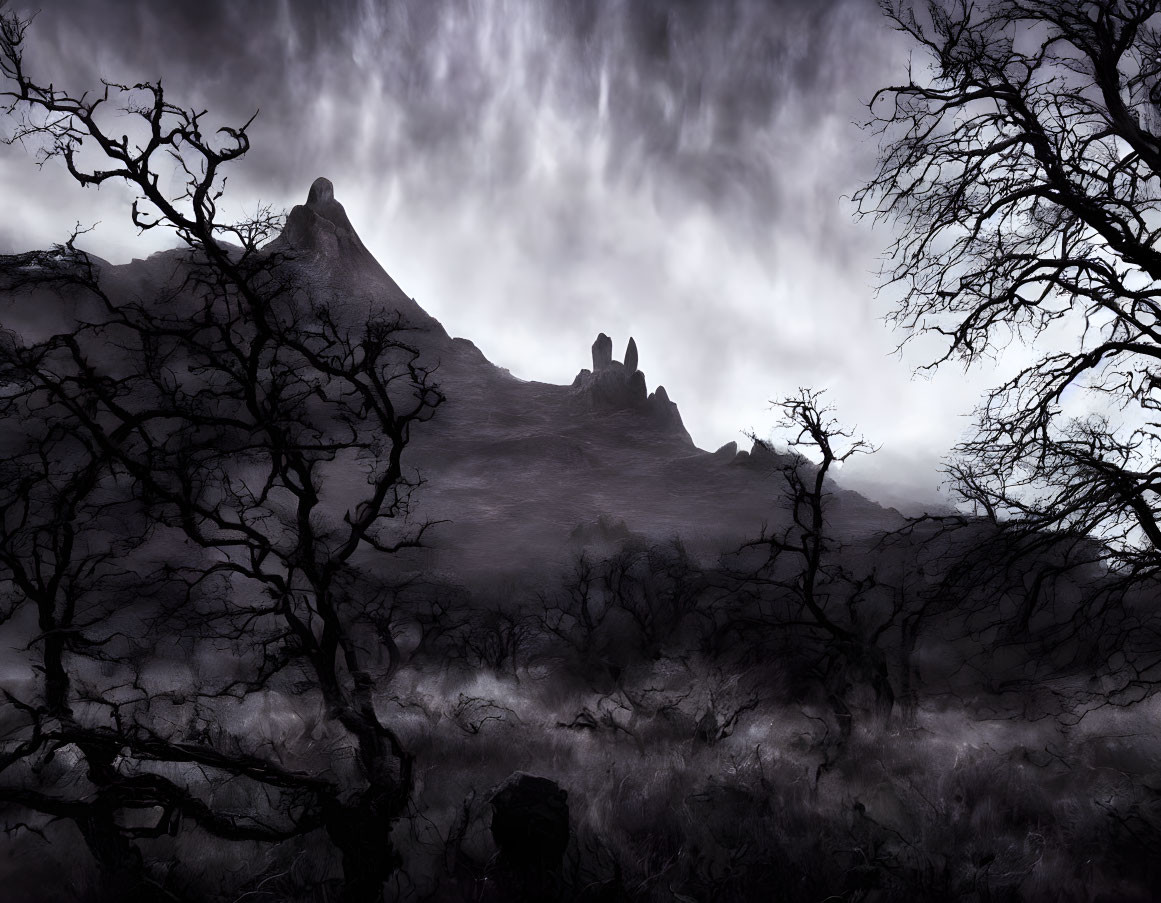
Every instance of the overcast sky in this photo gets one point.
(534, 173)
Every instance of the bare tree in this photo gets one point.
(821, 608)
(659, 588)
(1020, 160)
(576, 615)
(206, 438)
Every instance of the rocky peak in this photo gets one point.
(631, 356)
(321, 226)
(319, 238)
(602, 353)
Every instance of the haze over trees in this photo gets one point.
(241, 660)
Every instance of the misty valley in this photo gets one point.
(304, 599)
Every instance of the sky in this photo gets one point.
(535, 173)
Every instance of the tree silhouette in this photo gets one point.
(1020, 160)
(208, 466)
(816, 596)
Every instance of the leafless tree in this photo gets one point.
(496, 636)
(184, 450)
(658, 587)
(1020, 161)
(812, 598)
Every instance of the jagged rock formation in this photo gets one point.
(760, 455)
(530, 821)
(602, 353)
(513, 467)
(615, 386)
(321, 225)
(727, 452)
(320, 242)
(664, 413)
(509, 467)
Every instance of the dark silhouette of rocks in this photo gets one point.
(663, 412)
(531, 831)
(615, 386)
(322, 244)
(727, 452)
(631, 356)
(762, 454)
(530, 821)
(602, 352)
(510, 466)
(608, 389)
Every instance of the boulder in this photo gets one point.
(530, 822)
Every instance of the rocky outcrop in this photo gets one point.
(615, 386)
(321, 226)
(727, 452)
(637, 390)
(320, 243)
(602, 353)
(761, 455)
(631, 356)
(531, 831)
(610, 389)
(663, 412)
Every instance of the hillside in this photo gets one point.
(524, 470)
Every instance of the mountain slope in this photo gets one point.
(521, 475)
(518, 469)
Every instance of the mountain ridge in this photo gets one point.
(516, 469)
(516, 472)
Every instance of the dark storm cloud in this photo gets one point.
(536, 172)
(683, 89)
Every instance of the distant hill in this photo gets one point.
(523, 474)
